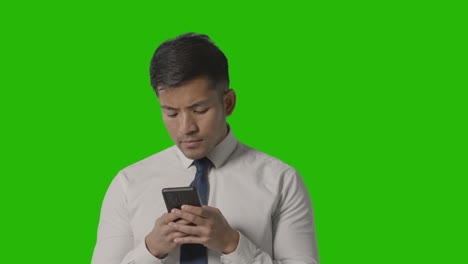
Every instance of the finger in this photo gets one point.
(182, 222)
(197, 210)
(192, 218)
(187, 229)
(167, 218)
(190, 240)
(175, 234)
(167, 230)
(169, 238)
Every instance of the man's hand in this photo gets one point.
(212, 230)
(160, 240)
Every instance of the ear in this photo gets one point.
(229, 101)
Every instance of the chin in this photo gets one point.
(194, 154)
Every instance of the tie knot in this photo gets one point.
(202, 164)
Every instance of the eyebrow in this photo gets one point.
(200, 103)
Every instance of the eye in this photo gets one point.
(172, 115)
(202, 111)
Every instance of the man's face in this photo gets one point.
(195, 116)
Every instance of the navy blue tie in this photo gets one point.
(196, 253)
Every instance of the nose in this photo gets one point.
(188, 124)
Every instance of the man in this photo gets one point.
(258, 209)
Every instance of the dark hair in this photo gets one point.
(186, 57)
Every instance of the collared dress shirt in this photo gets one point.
(260, 196)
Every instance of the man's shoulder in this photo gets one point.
(249, 155)
(262, 170)
(152, 163)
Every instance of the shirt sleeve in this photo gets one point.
(294, 240)
(115, 241)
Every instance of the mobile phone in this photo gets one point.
(178, 196)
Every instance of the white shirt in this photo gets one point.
(260, 196)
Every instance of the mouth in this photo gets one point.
(191, 143)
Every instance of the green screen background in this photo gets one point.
(366, 99)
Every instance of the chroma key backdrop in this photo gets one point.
(366, 99)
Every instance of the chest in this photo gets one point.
(246, 202)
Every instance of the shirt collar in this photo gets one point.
(218, 155)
